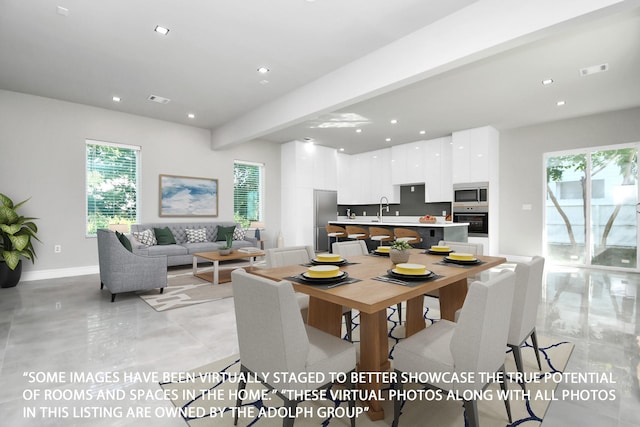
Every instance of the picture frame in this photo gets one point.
(187, 196)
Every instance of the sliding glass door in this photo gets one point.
(591, 202)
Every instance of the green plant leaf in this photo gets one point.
(19, 241)
(10, 229)
(8, 215)
(11, 258)
(4, 200)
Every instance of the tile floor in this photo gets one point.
(69, 325)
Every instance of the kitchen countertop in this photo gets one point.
(375, 223)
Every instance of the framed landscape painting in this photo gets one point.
(188, 196)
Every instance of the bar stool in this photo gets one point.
(406, 234)
(357, 233)
(336, 232)
(380, 234)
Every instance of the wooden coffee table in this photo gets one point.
(215, 257)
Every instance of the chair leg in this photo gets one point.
(397, 402)
(399, 307)
(352, 401)
(101, 285)
(503, 386)
(162, 290)
(534, 341)
(348, 320)
(471, 413)
(291, 406)
(517, 355)
(113, 297)
(241, 386)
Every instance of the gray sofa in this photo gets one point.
(182, 252)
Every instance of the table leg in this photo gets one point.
(216, 272)
(374, 354)
(415, 316)
(451, 299)
(325, 316)
(195, 265)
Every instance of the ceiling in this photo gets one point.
(89, 52)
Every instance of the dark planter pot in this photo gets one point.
(9, 278)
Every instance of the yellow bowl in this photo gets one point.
(437, 248)
(323, 271)
(411, 269)
(383, 249)
(459, 256)
(328, 257)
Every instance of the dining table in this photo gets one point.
(371, 297)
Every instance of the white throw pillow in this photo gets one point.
(196, 235)
(238, 233)
(146, 237)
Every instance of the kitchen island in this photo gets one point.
(431, 233)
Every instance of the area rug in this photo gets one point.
(206, 396)
(184, 289)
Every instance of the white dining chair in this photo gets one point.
(273, 339)
(524, 314)
(475, 344)
(292, 255)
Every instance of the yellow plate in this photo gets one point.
(411, 269)
(459, 256)
(383, 249)
(328, 258)
(437, 248)
(323, 271)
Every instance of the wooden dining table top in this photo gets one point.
(369, 295)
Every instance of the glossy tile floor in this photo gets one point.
(69, 325)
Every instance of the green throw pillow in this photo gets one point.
(124, 240)
(224, 231)
(164, 236)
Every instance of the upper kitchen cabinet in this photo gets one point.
(475, 155)
(437, 170)
(366, 177)
(407, 163)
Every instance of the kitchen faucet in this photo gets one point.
(380, 211)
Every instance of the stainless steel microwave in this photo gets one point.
(471, 194)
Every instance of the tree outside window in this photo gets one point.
(111, 185)
(247, 192)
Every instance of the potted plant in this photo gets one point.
(399, 252)
(226, 250)
(16, 232)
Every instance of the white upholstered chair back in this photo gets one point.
(292, 255)
(526, 299)
(479, 341)
(271, 333)
(464, 247)
(350, 248)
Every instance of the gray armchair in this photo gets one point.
(123, 271)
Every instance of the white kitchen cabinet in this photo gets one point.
(475, 155)
(437, 170)
(407, 166)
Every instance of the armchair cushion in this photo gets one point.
(164, 236)
(125, 241)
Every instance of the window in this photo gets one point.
(112, 185)
(247, 192)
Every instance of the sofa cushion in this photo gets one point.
(125, 241)
(169, 250)
(164, 236)
(146, 237)
(202, 247)
(239, 233)
(196, 235)
(223, 232)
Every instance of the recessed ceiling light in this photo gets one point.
(359, 130)
(116, 99)
(547, 82)
(263, 70)
(422, 132)
(162, 30)
(561, 103)
(341, 149)
(191, 116)
(388, 139)
(394, 121)
(264, 82)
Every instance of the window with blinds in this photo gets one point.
(111, 185)
(247, 192)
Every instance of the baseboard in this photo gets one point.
(59, 272)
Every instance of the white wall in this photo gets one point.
(522, 169)
(42, 156)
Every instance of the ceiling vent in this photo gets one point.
(594, 69)
(158, 99)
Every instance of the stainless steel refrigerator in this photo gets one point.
(325, 208)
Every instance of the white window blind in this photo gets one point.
(111, 185)
(247, 192)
